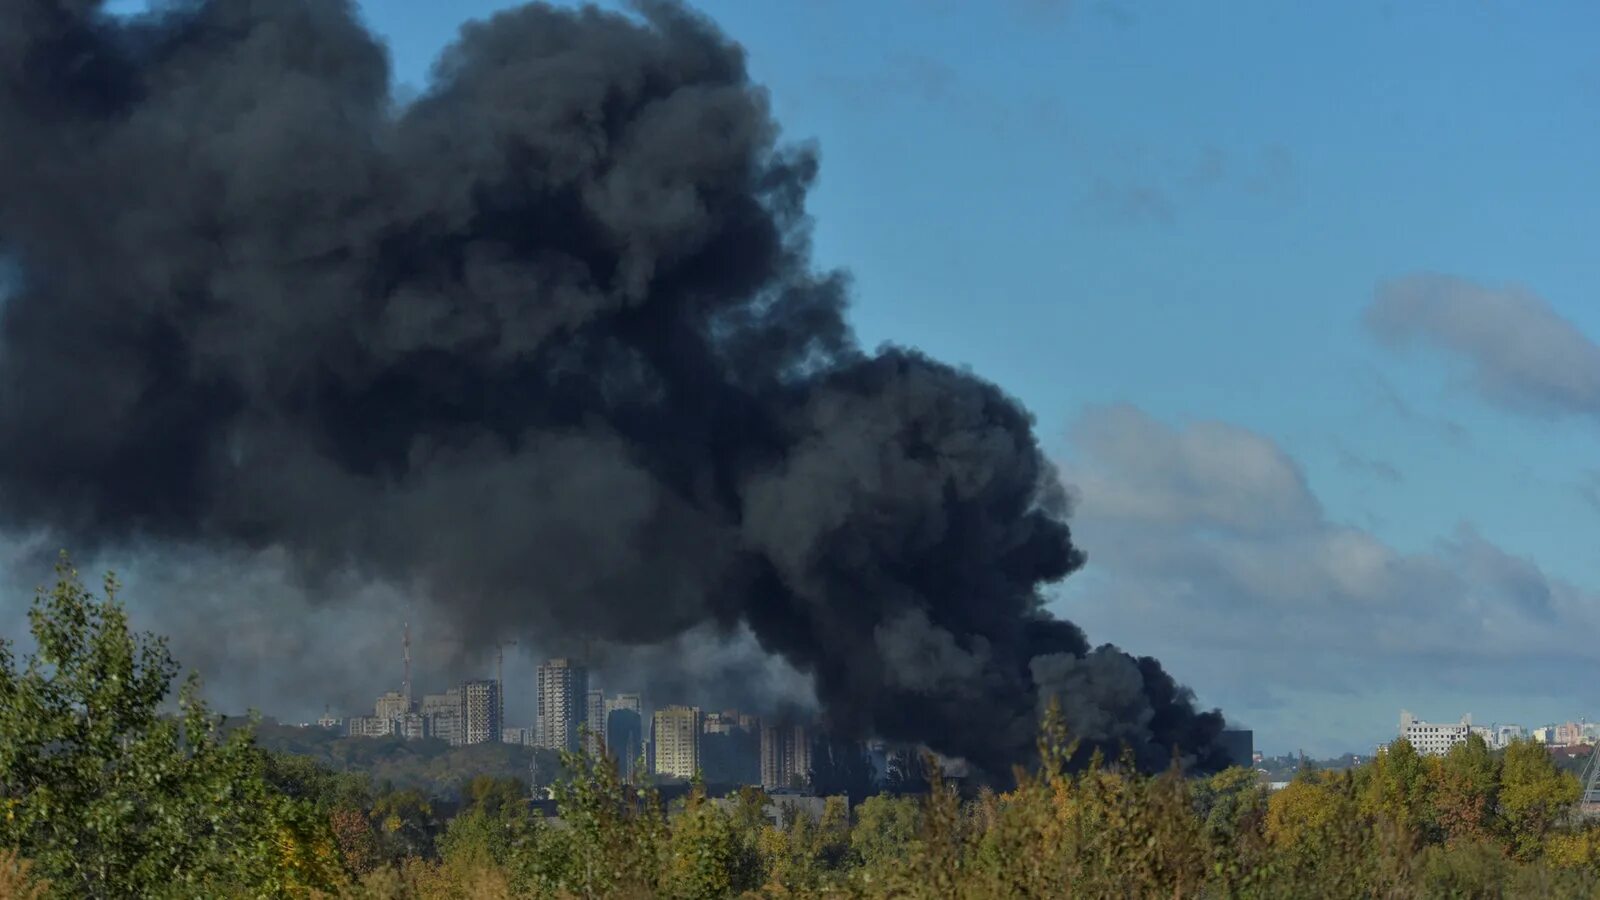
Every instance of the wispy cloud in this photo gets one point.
(1524, 356)
(1388, 398)
(1371, 467)
(1144, 187)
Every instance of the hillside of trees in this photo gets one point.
(105, 797)
(429, 765)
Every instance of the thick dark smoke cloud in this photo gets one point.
(547, 342)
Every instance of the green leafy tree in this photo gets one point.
(885, 828)
(1466, 783)
(1395, 787)
(1534, 795)
(109, 798)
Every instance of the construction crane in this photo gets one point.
(1589, 800)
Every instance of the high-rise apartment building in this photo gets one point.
(443, 713)
(624, 701)
(594, 720)
(563, 691)
(392, 705)
(676, 741)
(625, 740)
(411, 726)
(785, 755)
(480, 711)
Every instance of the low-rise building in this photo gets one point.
(369, 726)
(1433, 738)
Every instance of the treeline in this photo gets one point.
(429, 765)
(105, 797)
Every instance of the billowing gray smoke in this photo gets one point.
(547, 341)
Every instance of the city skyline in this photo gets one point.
(1299, 506)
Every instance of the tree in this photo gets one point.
(884, 831)
(1395, 787)
(111, 799)
(1466, 783)
(1534, 796)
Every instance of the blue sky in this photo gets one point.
(1224, 252)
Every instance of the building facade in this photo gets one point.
(412, 726)
(392, 705)
(625, 740)
(1433, 738)
(676, 741)
(480, 711)
(785, 756)
(594, 720)
(563, 691)
(443, 713)
(369, 726)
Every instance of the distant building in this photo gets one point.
(328, 720)
(625, 740)
(412, 726)
(721, 723)
(392, 705)
(1433, 738)
(1569, 734)
(480, 711)
(781, 807)
(676, 739)
(785, 756)
(443, 712)
(563, 691)
(1240, 746)
(513, 735)
(368, 726)
(624, 701)
(1505, 734)
(594, 721)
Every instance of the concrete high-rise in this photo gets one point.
(594, 720)
(625, 740)
(563, 692)
(443, 714)
(624, 701)
(785, 756)
(392, 705)
(480, 711)
(411, 726)
(676, 741)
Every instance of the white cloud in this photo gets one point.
(1208, 549)
(1524, 355)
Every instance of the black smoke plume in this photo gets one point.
(546, 342)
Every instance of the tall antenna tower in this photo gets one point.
(500, 676)
(405, 686)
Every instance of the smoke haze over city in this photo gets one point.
(543, 349)
(1304, 325)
